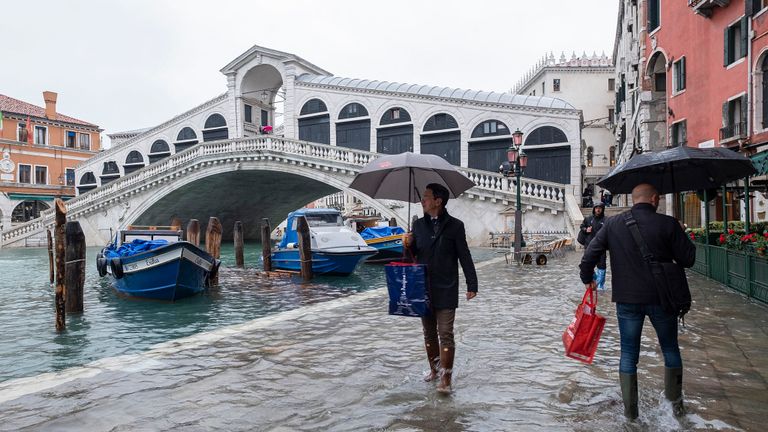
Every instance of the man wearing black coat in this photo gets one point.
(590, 226)
(439, 241)
(634, 289)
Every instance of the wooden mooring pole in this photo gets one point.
(50, 253)
(61, 221)
(193, 232)
(305, 249)
(239, 254)
(266, 245)
(74, 272)
(213, 242)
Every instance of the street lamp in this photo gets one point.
(518, 160)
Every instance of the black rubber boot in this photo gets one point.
(673, 389)
(629, 395)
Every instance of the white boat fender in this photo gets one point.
(116, 265)
(292, 246)
(101, 265)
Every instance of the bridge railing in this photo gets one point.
(486, 181)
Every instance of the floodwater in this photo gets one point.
(328, 357)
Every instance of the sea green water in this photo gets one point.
(114, 325)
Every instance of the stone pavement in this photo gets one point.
(345, 365)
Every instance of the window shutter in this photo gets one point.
(744, 37)
(743, 118)
(725, 114)
(752, 7)
(684, 133)
(682, 73)
(726, 47)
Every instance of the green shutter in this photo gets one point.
(682, 73)
(726, 46)
(744, 37)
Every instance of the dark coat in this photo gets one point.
(631, 280)
(596, 223)
(442, 252)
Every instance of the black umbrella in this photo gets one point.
(679, 169)
(401, 177)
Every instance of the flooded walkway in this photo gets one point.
(345, 365)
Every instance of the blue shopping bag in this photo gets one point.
(600, 278)
(407, 285)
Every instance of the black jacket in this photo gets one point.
(442, 252)
(597, 224)
(631, 280)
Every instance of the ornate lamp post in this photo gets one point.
(518, 160)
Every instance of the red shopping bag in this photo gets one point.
(582, 335)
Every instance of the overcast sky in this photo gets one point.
(136, 63)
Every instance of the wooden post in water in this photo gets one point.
(392, 222)
(213, 242)
(74, 272)
(50, 253)
(238, 234)
(193, 232)
(266, 245)
(61, 221)
(305, 249)
(176, 223)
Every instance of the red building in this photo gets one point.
(704, 64)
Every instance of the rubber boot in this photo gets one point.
(433, 357)
(446, 370)
(673, 389)
(629, 395)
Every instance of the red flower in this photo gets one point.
(731, 232)
(722, 238)
(692, 235)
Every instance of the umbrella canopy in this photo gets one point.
(679, 169)
(402, 176)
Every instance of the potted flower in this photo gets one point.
(760, 243)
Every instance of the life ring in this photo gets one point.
(541, 260)
(116, 265)
(101, 265)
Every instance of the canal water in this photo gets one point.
(273, 355)
(112, 325)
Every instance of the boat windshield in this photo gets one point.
(324, 219)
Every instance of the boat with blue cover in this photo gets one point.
(154, 263)
(387, 240)
(336, 248)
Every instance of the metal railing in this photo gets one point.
(737, 270)
(733, 131)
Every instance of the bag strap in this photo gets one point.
(590, 299)
(631, 223)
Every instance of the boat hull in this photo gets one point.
(389, 248)
(328, 263)
(168, 273)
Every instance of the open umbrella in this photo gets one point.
(402, 176)
(679, 169)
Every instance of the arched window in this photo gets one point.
(442, 137)
(109, 172)
(545, 135)
(315, 122)
(590, 156)
(159, 150)
(612, 155)
(133, 161)
(353, 129)
(549, 155)
(87, 182)
(28, 210)
(488, 145)
(395, 132)
(215, 128)
(185, 139)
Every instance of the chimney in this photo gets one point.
(50, 104)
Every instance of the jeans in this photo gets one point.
(631, 318)
(439, 325)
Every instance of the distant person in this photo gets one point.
(608, 198)
(586, 197)
(634, 290)
(439, 241)
(590, 227)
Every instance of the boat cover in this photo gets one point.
(379, 232)
(135, 247)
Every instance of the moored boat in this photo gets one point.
(388, 242)
(154, 263)
(336, 248)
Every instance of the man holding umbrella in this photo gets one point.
(438, 240)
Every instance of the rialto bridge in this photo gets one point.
(215, 160)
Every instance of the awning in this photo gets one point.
(760, 161)
(28, 197)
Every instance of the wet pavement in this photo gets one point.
(345, 365)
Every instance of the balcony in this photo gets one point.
(705, 8)
(733, 131)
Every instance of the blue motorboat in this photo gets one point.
(156, 264)
(388, 242)
(336, 248)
